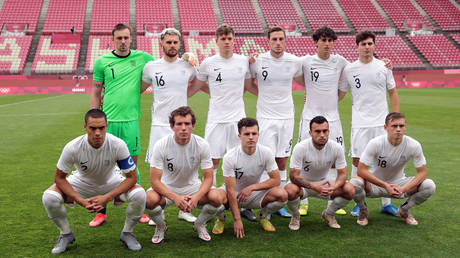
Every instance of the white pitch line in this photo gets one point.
(28, 101)
(42, 114)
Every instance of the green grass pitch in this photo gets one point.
(35, 128)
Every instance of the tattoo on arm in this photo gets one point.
(300, 181)
(98, 84)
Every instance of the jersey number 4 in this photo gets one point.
(219, 78)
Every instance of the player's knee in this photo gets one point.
(137, 196)
(428, 187)
(52, 199)
(348, 191)
(292, 191)
(357, 183)
(215, 198)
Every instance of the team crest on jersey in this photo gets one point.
(133, 62)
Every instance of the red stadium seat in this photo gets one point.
(13, 53)
(55, 58)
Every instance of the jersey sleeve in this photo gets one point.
(368, 155)
(203, 73)
(248, 72)
(296, 157)
(270, 164)
(253, 68)
(146, 72)
(124, 160)
(298, 66)
(98, 73)
(66, 160)
(148, 57)
(158, 155)
(228, 165)
(419, 158)
(390, 83)
(340, 161)
(344, 85)
(205, 155)
(193, 73)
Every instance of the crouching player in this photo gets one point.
(243, 166)
(95, 182)
(174, 176)
(381, 171)
(310, 163)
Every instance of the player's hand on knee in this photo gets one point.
(192, 202)
(238, 228)
(181, 202)
(324, 189)
(244, 194)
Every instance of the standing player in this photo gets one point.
(119, 73)
(274, 71)
(95, 155)
(381, 171)
(243, 167)
(369, 80)
(174, 176)
(170, 77)
(310, 164)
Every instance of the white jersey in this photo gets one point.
(314, 164)
(322, 86)
(248, 169)
(387, 162)
(225, 79)
(368, 84)
(169, 83)
(180, 163)
(95, 166)
(274, 80)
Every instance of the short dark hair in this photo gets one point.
(224, 29)
(95, 113)
(275, 29)
(324, 32)
(318, 120)
(393, 116)
(363, 35)
(121, 26)
(247, 122)
(181, 111)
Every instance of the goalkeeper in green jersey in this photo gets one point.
(120, 73)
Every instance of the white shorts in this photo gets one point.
(254, 201)
(377, 191)
(188, 190)
(335, 131)
(307, 193)
(221, 138)
(360, 137)
(277, 135)
(87, 190)
(156, 133)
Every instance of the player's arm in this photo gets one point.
(144, 86)
(300, 80)
(204, 188)
(342, 94)
(251, 86)
(155, 182)
(364, 173)
(230, 185)
(342, 176)
(394, 99)
(273, 181)
(195, 86)
(388, 63)
(416, 181)
(96, 95)
(63, 185)
(296, 178)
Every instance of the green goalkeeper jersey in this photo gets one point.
(122, 84)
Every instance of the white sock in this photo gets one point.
(214, 178)
(135, 209)
(156, 216)
(386, 201)
(270, 208)
(354, 171)
(283, 176)
(336, 204)
(360, 193)
(207, 212)
(54, 205)
(304, 201)
(425, 191)
(294, 206)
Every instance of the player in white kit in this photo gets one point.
(170, 78)
(95, 155)
(274, 71)
(243, 167)
(310, 163)
(368, 80)
(174, 176)
(381, 171)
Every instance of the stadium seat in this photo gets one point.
(201, 46)
(158, 12)
(55, 58)
(323, 12)
(402, 12)
(106, 14)
(241, 16)
(197, 16)
(13, 53)
(97, 46)
(150, 45)
(444, 13)
(281, 12)
(437, 49)
(63, 15)
(23, 11)
(363, 15)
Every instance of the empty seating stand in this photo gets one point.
(13, 53)
(323, 12)
(363, 15)
(437, 49)
(278, 12)
(444, 13)
(201, 46)
(55, 58)
(153, 12)
(21, 11)
(402, 12)
(63, 15)
(395, 49)
(106, 14)
(197, 16)
(241, 15)
(97, 46)
(150, 45)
